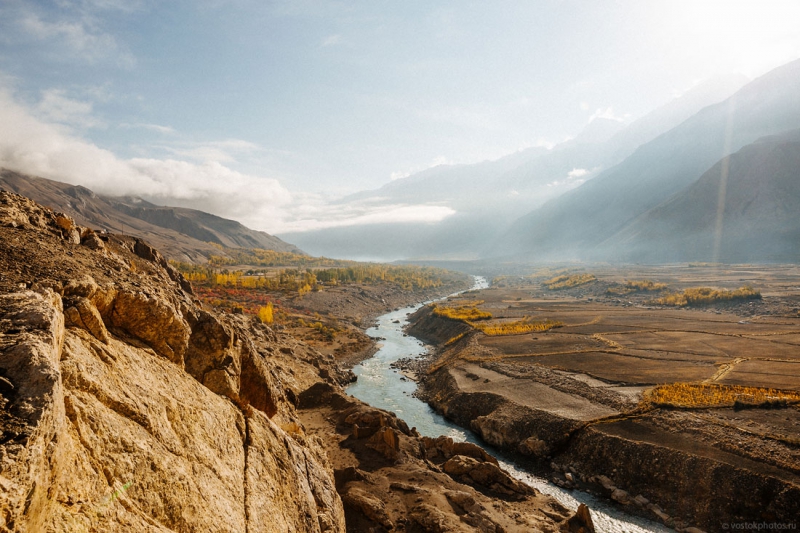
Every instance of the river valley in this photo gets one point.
(382, 386)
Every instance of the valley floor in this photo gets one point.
(577, 400)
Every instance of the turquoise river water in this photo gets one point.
(382, 386)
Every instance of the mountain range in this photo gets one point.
(488, 197)
(182, 234)
(598, 219)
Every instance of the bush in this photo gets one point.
(566, 281)
(518, 327)
(699, 395)
(464, 313)
(632, 286)
(706, 296)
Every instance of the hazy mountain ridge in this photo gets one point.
(184, 234)
(742, 209)
(573, 225)
(489, 196)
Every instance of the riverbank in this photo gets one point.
(566, 403)
(380, 385)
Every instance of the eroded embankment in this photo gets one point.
(655, 462)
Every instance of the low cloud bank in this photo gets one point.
(38, 147)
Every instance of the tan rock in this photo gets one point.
(581, 521)
(369, 506)
(83, 314)
(153, 320)
(120, 439)
(483, 473)
(534, 446)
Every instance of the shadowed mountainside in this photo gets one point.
(573, 225)
(183, 234)
(743, 209)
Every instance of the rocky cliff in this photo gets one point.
(125, 405)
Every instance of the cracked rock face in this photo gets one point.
(124, 406)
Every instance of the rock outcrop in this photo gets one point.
(125, 405)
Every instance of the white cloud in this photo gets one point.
(574, 178)
(31, 145)
(332, 40)
(608, 113)
(585, 106)
(76, 34)
(213, 151)
(158, 128)
(313, 213)
(399, 175)
(577, 173)
(55, 106)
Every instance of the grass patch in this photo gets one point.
(455, 339)
(526, 325)
(707, 295)
(701, 395)
(631, 286)
(464, 313)
(566, 281)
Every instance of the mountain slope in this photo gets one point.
(183, 234)
(743, 209)
(489, 196)
(571, 226)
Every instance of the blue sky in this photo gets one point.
(262, 111)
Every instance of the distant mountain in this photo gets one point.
(180, 233)
(489, 196)
(574, 225)
(744, 209)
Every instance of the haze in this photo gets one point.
(270, 113)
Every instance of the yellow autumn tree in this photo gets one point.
(265, 313)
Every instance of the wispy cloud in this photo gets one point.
(332, 40)
(33, 145)
(56, 106)
(158, 128)
(313, 213)
(608, 113)
(225, 151)
(75, 34)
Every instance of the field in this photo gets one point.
(702, 359)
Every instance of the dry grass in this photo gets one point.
(464, 313)
(518, 327)
(455, 339)
(566, 281)
(707, 295)
(631, 286)
(700, 395)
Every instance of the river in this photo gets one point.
(382, 386)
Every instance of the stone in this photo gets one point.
(534, 446)
(621, 496)
(369, 506)
(93, 242)
(154, 321)
(483, 473)
(581, 521)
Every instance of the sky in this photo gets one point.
(266, 111)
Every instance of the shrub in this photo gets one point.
(632, 286)
(464, 313)
(526, 325)
(566, 281)
(706, 296)
(699, 395)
